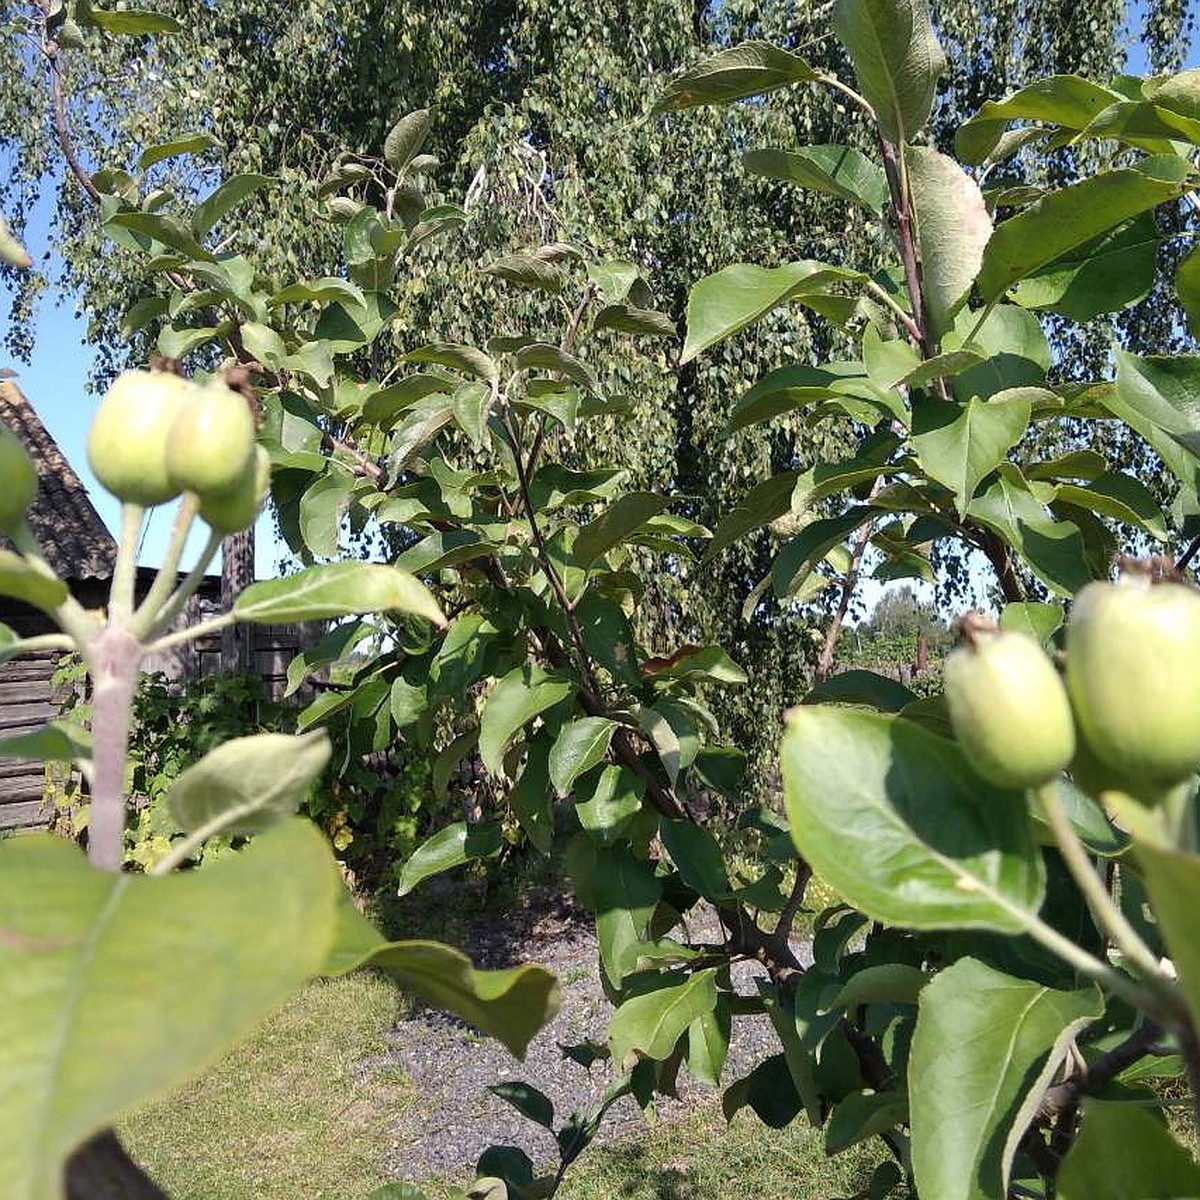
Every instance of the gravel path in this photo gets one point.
(456, 1118)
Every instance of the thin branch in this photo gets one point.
(897, 184)
(59, 109)
(1190, 553)
(795, 900)
(1143, 1041)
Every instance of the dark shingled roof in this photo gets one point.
(74, 539)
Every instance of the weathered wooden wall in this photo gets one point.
(26, 701)
(27, 698)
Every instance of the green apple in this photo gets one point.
(1133, 674)
(127, 444)
(231, 512)
(210, 447)
(1009, 709)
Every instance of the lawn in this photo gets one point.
(299, 1113)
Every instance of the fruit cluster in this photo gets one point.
(157, 435)
(1126, 717)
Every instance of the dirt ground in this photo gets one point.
(456, 1118)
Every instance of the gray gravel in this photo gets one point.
(456, 1118)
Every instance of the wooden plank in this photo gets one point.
(29, 814)
(25, 714)
(26, 788)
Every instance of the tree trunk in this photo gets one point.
(237, 573)
(101, 1170)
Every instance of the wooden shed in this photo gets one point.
(79, 547)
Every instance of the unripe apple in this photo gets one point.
(1133, 673)
(231, 512)
(127, 444)
(210, 448)
(18, 479)
(1009, 708)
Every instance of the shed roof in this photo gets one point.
(74, 539)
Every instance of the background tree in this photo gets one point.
(541, 123)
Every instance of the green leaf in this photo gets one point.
(697, 857)
(440, 550)
(1053, 550)
(892, 818)
(192, 143)
(861, 1115)
(527, 271)
(22, 581)
(555, 486)
(161, 227)
(765, 502)
(1173, 880)
(247, 784)
(857, 686)
(132, 22)
(751, 69)
(178, 343)
(985, 1048)
(1125, 1153)
(615, 524)
(1159, 398)
(625, 318)
(959, 444)
(236, 190)
(722, 304)
(93, 1021)
(524, 693)
(531, 1103)
(1016, 352)
(382, 407)
(579, 747)
(1187, 287)
(888, 983)
(466, 359)
(896, 57)
(58, 741)
(953, 227)
(531, 799)
(405, 139)
(614, 280)
(336, 590)
(318, 291)
(795, 562)
(542, 356)
(1063, 220)
(449, 848)
(625, 893)
(606, 803)
(1038, 621)
(1120, 496)
(653, 1022)
(801, 386)
(1104, 275)
(322, 507)
(510, 1005)
(835, 170)
(696, 662)
(1064, 100)
(708, 1044)
(350, 325)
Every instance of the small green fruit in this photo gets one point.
(127, 444)
(18, 479)
(1009, 708)
(231, 512)
(1133, 673)
(210, 448)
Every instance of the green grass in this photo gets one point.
(702, 1158)
(293, 1115)
(286, 1115)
